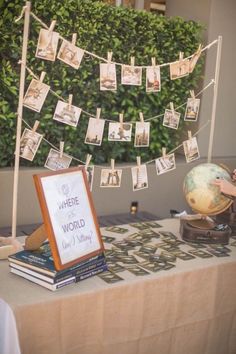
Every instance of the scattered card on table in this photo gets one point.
(153, 267)
(114, 267)
(140, 225)
(128, 259)
(152, 224)
(136, 270)
(110, 277)
(143, 255)
(148, 248)
(108, 239)
(116, 229)
(217, 253)
(183, 255)
(200, 253)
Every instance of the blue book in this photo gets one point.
(41, 261)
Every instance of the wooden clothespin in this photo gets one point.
(163, 152)
(61, 148)
(74, 38)
(109, 57)
(189, 135)
(53, 24)
(138, 158)
(35, 127)
(70, 101)
(154, 61)
(98, 113)
(42, 76)
(172, 108)
(141, 117)
(132, 61)
(121, 117)
(87, 162)
(199, 48)
(192, 94)
(113, 165)
(181, 56)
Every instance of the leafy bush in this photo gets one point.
(100, 28)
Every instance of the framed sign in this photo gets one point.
(69, 216)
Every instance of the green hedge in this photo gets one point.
(100, 28)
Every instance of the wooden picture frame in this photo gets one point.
(69, 216)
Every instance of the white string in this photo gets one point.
(110, 120)
(22, 13)
(122, 167)
(117, 63)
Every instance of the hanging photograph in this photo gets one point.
(139, 177)
(179, 69)
(191, 149)
(165, 164)
(192, 109)
(47, 45)
(153, 79)
(70, 54)
(142, 133)
(54, 162)
(36, 95)
(67, 114)
(193, 61)
(95, 131)
(89, 174)
(108, 77)
(131, 75)
(119, 131)
(110, 178)
(171, 119)
(29, 144)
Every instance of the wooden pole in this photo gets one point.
(213, 113)
(19, 116)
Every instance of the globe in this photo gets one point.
(201, 195)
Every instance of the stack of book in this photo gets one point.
(38, 267)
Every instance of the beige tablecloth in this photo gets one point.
(190, 309)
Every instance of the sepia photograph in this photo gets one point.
(110, 178)
(165, 164)
(191, 149)
(108, 77)
(29, 144)
(47, 45)
(36, 95)
(153, 79)
(67, 114)
(142, 133)
(139, 177)
(179, 69)
(90, 173)
(95, 130)
(131, 75)
(54, 162)
(192, 109)
(193, 61)
(70, 54)
(119, 131)
(171, 120)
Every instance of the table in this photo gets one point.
(190, 309)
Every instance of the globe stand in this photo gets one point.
(229, 217)
(204, 231)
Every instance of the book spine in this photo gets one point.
(91, 273)
(77, 272)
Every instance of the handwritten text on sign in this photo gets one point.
(71, 215)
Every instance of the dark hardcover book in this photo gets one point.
(42, 261)
(61, 284)
(64, 275)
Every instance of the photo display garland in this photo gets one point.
(69, 114)
(69, 216)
